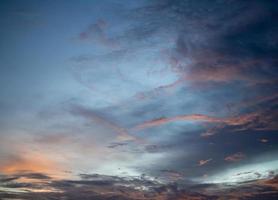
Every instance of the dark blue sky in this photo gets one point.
(142, 93)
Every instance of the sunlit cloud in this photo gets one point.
(204, 162)
(235, 157)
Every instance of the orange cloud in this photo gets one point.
(37, 162)
(255, 121)
(164, 120)
(233, 121)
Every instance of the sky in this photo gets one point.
(129, 100)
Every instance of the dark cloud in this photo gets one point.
(24, 174)
(213, 44)
(110, 187)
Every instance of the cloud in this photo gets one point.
(164, 120)
(217, 72)
(263, 140)
(121, 133)
(101, 187)
(264, 120)
(204, 162)
(235, 157)
(206, 50)
(36, 162)
(24, 177)
(231, 121)
(172, 175)
(158, 91)
(96, 32)
(117, 144)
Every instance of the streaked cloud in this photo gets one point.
(204, 162)
(235, 157)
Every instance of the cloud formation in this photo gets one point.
(108, 187)
(157, 99)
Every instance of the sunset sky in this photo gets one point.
(147, 99)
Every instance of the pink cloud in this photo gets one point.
(204, 162)
(164, 120)
(235, 157)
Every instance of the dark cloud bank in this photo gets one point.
(130, 188)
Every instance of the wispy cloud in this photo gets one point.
(235, 157)
(164, 120)
(97, 33)
(232, 121)
(204, 162)
(121, 133)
